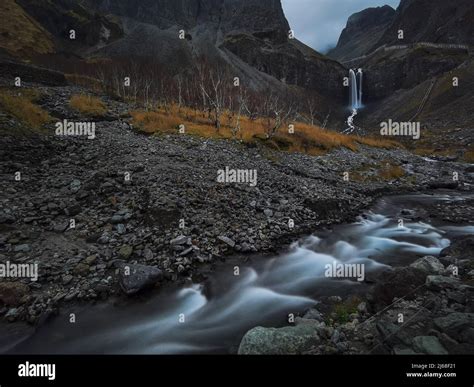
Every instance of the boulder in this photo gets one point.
(428, 345)
(135, 278)
(460, 248)
(400, 282)
(455, 325)
(291, 340)
(439, 282)
(429, 265)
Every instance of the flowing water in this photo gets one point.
(212, 318)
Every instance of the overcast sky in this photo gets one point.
(318, 23)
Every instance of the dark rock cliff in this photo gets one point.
(436, 21)
(363, 30)
(250, 36)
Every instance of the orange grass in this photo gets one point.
(305, 139)
(88, 105)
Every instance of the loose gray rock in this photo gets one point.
(428, 345)
(181, 240)
(226, 240)
(428, 264)
(25, 248)
(455, 324)
(290, 340)
(135, 278)
(125, 252)
(439, 282)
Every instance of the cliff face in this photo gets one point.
(436, 21)
(394, 68)
(252, 16)
(363, 30)
(251, 36)
(433, 21)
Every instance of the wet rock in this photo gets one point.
(439, 282)
(279, 341)
(429, 265)
(455, 325)
(429, 345)
(136, 278)
(460, 248)
(400, 282)
(313, 314)
(387, 330)
(13, 314)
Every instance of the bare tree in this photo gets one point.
(241, 103)
(213, 82)
(277, 114)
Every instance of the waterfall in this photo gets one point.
(355, 97)
(359, 76)
(353, 85)
(356, 88)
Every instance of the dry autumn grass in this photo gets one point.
(469, 156)
(22, 106)
(391, 172)
(88, 105)
(306, 138)
(20, 34)
(385, 170)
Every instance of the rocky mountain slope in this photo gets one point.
(436, 21)
(363, 30)
(252, 37)
(417, 77)
(138, 220)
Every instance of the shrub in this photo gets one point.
(307, 139)
(22, 107)
(391, 172)
(88, 105)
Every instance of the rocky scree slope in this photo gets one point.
(173, 177)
